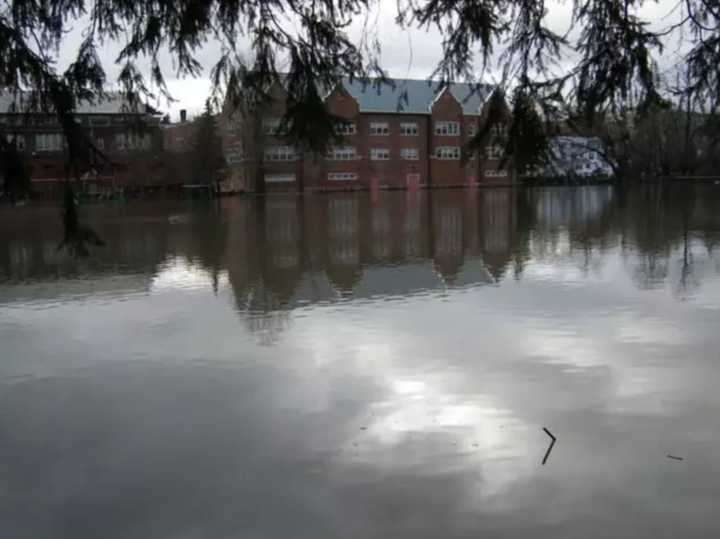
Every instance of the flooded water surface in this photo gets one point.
(359, 367)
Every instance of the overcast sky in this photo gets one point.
(405, 54)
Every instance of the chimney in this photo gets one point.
(183, 115)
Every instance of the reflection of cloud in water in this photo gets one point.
(177, 273)
(427, 428)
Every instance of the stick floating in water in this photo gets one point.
(550, 447)
(674, 457)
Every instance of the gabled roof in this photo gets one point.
(113, 104)
(412, 96)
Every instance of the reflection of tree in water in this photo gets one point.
(207, 239)
(688, 281)
(268, 326)
(648, 236)
(263, 312)
(660, 231)
(569, 224)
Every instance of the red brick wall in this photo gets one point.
(313, 169)
(445, 173)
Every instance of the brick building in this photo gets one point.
(405, 134)
(129, 137)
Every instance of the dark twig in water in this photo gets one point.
(550, 447)
(674, 457)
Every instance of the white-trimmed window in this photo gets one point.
(341, 153)
(271, 126)
(20, 143)
(280, 153)
(409, 154)
(342, 176)
(133, 141)
(494, 151)
(409, 129)
(279, 178)
(447, 129)
(379, 154)
(345, 128)
(472, 129)
(100, 143)
(447, 152)
(18, 140)
(48, 142)
(379, 128)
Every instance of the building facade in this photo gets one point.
(575, 158)
(128, 137)
(405, 134)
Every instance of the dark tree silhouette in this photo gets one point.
(207, 149)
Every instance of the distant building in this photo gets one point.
(128, 136)
(576, 157)
(179, 137)
(404, 134)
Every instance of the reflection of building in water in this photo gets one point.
(268, 325)
(562, 206)
(344, 241)
(381, 238)
(412, 233)
(281, 270)
(447, 233)
(344, 214)
(282, 232)
(499, 226)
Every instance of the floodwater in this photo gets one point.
(359, 367)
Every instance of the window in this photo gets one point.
(17, 140)
(100, 143)
(342, 176)
(499, 130)
(99, 121)
(379, 128)
(341, 153)
(409, 129)
(345, 128)
(447, 152)
(279, 178)
(280, 153)
(494, 151)
(271, 126)
(19, 143)
(132, 141)
(48, 142)
(496, 173)
(472, 129)
(447, 129)
(409, 154)
(379, 154)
